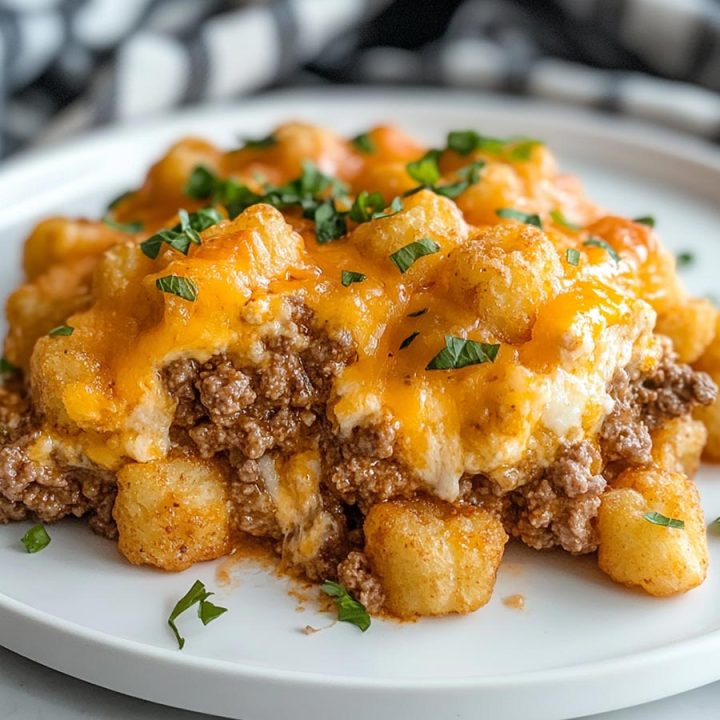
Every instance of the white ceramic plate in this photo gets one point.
(582, 645)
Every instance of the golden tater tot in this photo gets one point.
(425, 215)
(505, 273)
(172, 513)
(433, 558)
(709, 362)
(637, 552)
(690, 326)
(678, 445)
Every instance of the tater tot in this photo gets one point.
(425, 215)
(172, 513)
(433, 558)
(639, 553)
(505, 273)
(690, 326)
(678, 445)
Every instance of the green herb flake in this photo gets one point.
(35, 539)
(349, 609)
(417, 313)
(459, 353)
(685, 259)
(408, 340)
(462, 141)
(367, 205)
(130, 228)
(257, 143)
(61, 331)
(182, 235)
(348, 277)
(207, 612)
(527, 218)
(657, 518)
(177, 285)
(522, 149)
(425, 170)
(593, 241)
(364, 143)
(407, 255)
(329, 223)
(572, 256)
(648, 220)
(469, 174)
(119, 199)
(202, 183)
(6, 367)
(559, 219)
(396, 206)
(514, 148)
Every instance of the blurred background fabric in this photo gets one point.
(67, 65)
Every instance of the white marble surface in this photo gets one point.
(31, 692)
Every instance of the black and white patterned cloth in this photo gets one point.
(66, 65)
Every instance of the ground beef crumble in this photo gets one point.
(558, 508)
(356, 575)
(642, 402)
(28, 489)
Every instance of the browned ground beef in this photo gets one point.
(361, 470)
(29, 489)
(558, 508)
(356, 575)
(642, 402)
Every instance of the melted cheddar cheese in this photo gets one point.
(563, 328)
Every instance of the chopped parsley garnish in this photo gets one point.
(527, 218)
(515, 148)
(177, 285)
(120, 198)
(407, 255)
(207, 612)
(131, 227)
(349, 609)
(459, 353)
(369, 206)
(469, 175)
(408, 340)
(425, 170)
(257, 143)
(572, 256)
(593, 241)
(366, 204)
(61, 330)
(364, 143)
(183, 234)
(560, 219)
(329, 223)
(648, 220)
(684, 259)
(6, 367)
(35, 539)
(202, 183)
(522, 149)
(417, 313)
(348, 277)
(657, 518)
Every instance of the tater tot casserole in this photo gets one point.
(384, 361)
